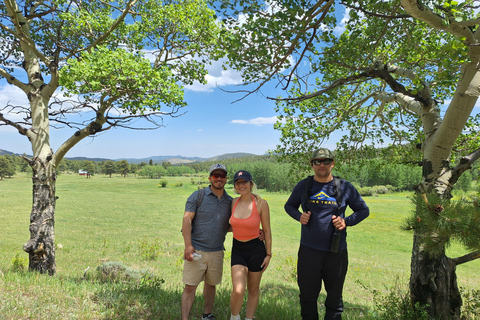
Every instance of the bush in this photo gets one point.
(396, 304)
(163, 183)
(117, 271)
(19, 263)
(366, 191)
(149, 250)
(464, 183)
(380, 189)
(471, 303)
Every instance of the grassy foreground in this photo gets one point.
(137, 223)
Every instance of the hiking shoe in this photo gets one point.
(208, 317)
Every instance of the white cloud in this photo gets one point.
(11, 95)
(217, 76)
(260, 121)
(340, 28)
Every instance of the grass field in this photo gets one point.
(137, 223)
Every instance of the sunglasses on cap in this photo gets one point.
(326, 162)
(219, 175)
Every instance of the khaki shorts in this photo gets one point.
(208, 268)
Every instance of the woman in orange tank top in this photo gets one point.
(250, 256)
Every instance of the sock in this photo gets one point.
(248, 319)
(237, 317)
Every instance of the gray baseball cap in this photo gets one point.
(322, 153)
(218, 166)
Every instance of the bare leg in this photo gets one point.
(253, 284)
(188, 297)
(209, 297)
(239, 282)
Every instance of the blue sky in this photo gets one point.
(213, 125)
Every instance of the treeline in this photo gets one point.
(376, 177)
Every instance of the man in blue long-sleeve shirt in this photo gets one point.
(321, 218)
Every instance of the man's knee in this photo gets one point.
(189, 289)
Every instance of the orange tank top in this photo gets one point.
(248, 228)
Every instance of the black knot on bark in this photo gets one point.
(95, 127)
(37, 76)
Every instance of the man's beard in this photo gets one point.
(218, 188)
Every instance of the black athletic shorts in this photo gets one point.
(250, 254)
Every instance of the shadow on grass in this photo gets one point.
(277, 302)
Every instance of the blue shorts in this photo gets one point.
(249, 254)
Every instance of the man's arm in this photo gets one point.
(359, 207)
(293, 203)
(187, 235)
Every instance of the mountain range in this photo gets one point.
(156, 159)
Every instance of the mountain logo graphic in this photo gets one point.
(322, 196)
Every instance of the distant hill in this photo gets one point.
(4, 152)
(185, 160)
(157, 159)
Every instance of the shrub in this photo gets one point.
(117, 271)
(366, 191)
(471, 303)
(380, 189)
(19, 263)
(163, 183)
(149, 250)
(396, 304)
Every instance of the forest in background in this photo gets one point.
(372, 177)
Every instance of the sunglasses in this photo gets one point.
(326, 162)
(219, 175)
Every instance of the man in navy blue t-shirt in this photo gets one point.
(323, 219)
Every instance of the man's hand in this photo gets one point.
(339, 222)
(188, 253)
(305, 217)
(262, 235)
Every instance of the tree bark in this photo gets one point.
(41, 246)
(433, 283)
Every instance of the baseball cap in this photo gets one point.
(322, 153)
(242, 174)
(218, 166)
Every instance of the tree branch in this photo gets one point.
(374, 14)
(423, 13)
(463, 165)
(114, 26)
(22, 130)
(378, 71)
(466, 258)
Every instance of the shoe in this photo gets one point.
(208, 317)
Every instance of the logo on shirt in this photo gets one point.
(322, 198)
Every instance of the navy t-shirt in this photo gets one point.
(317, 234)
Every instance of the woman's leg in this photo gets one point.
(239, 282)
(253, 287)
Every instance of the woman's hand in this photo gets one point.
(265, 263)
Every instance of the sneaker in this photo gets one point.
(208, 317)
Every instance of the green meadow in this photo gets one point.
(136, 224)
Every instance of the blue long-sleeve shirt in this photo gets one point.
(317, 234)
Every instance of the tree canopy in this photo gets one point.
(397, 76)
(89, 66)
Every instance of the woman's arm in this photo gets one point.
(265, 220)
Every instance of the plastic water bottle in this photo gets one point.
(196, 256)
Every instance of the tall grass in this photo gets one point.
(135, 224)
